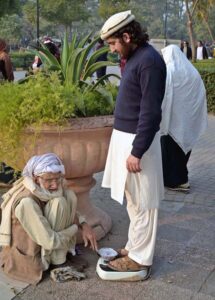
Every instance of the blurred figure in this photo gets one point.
(186, 49)
(6, 68)
(50, 45)
(103, 57)
(184, 117)
(201, 51)
(7, 174)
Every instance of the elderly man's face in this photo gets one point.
(50, 181)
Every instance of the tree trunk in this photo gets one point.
(190, 31)
(209, 29)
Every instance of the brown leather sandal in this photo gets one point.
(126, 264)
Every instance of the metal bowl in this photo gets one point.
(107, 253)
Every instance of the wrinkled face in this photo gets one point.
(51, 182)
(122, 46)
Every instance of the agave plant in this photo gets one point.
(75, 67)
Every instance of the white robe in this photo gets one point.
(151, 189)
(184, 107)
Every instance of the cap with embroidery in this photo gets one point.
(116, 22)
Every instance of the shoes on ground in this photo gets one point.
(126, 264)
(185, 187)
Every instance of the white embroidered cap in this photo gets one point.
(116, 22)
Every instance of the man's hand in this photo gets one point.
(88, 235)
(133, 164)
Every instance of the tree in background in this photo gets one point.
(9, 7)
(190, 10)
(11, 28)
(89, 15)
(64, 12)
(151, 14)
(109, 7)
(199, 8)
(204, 11)
(30, 21)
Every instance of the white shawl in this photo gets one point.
(8, 199)
(184, 108)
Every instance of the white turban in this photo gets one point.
(46, 163)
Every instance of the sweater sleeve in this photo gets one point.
(38, 228)
(152, 82)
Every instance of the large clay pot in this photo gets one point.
(82, 145)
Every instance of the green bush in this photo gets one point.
(21, 59)
(43, 99)
(206, 69)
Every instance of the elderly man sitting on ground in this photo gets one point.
(39, 221)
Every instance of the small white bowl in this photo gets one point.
(107, 253)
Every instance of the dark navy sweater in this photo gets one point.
(138, 104)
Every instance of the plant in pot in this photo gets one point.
(62, 110)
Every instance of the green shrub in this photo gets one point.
(206, 69)
(21, 59)
(45, 100)
(61, 90)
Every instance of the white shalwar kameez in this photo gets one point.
(143, 191)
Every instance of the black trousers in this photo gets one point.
(175, 161)
(101, 72)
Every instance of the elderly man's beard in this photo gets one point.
(51, 194)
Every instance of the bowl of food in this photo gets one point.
(107, 253)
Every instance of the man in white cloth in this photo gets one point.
(40, 221)
(184, 117)
(134, 164)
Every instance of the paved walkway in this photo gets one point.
(184, 264)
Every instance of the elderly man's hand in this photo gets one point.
(89, 236)
(133, 164)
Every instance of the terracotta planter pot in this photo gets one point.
(82, 145)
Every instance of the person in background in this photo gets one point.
(7, 174)
(103, 57)
(40, 221)
(50, 45)
(201, 51)
(186, 49)
(6, 68)
(134, 164)
(184, 117)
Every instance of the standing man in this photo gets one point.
(134, 165)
